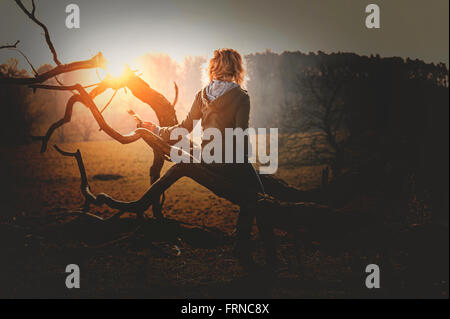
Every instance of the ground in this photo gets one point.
(39, 187)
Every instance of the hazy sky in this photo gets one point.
(126, 29)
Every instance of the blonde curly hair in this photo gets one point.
(226, 65)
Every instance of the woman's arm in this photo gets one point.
(188, 123)
(241, 121)
(243, 113)
(194, 114)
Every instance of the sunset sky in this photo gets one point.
(124, 30)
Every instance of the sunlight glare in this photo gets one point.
(115, 68)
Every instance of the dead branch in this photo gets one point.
(54, 87)
(303, 213)
(84, 181)
(164, 110)
(175, 99)
(32, 16)
(26, 59)
(66, 119)
(109, 102)
(14, 47)
(10, 46)
(97, 61)
(135, 206)
(88, 101)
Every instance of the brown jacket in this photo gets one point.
(230, 110)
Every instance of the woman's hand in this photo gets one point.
(149, 126)
(141, 124)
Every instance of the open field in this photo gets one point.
(40, 184)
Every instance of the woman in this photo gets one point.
(224, 104)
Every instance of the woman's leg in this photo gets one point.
(265, 227)
(242, 249)
(244, 223)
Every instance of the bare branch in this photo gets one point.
(32, 16)
(97, 61)
(54, 87)
(10, 46)
(176, 94)
(84, 181)
(66, 119)
(33, 10)
(28, 61)
(302, 213)
(109, 102)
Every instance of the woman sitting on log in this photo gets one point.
(224, 104)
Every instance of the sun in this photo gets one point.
(115, 68)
